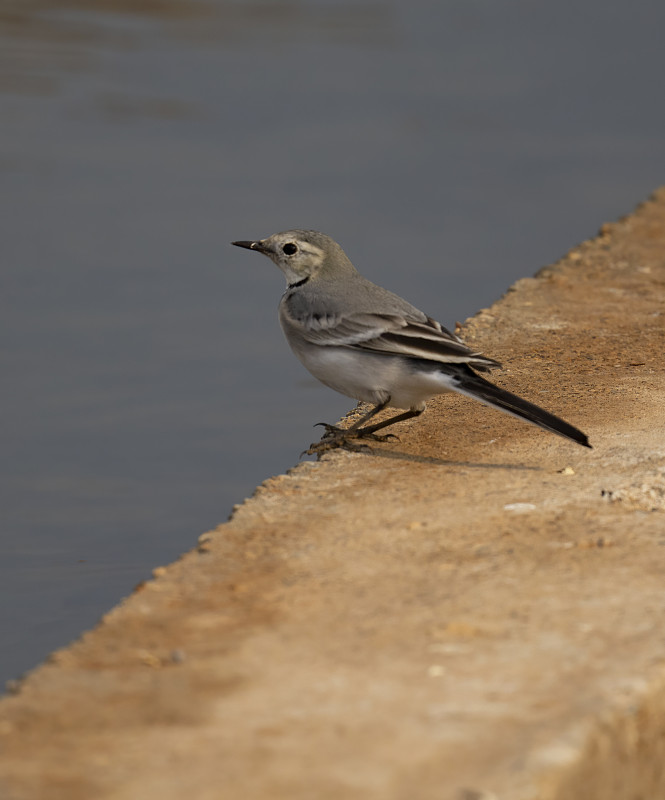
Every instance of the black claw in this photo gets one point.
(329, 428)
(345, 438)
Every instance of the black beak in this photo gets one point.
(248, 245)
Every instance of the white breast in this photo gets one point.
(370, 377)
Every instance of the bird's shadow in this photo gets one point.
(397, 455)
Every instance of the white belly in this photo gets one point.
(372, 377)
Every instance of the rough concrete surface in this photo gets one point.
(474, 611)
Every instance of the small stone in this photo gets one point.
(519, 508)
(436, 671)
(149, 659)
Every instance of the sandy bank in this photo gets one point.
(474, 611)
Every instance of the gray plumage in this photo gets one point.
(370, 344)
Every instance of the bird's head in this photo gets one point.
(302, 254)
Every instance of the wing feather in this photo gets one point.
(391, 334)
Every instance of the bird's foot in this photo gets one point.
(345, 438)
(334, 432)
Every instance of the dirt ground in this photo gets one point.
(473, 612)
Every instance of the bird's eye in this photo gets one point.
(289, 249)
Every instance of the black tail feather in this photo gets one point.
(468, 383)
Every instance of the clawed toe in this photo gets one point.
(327, 444)
(330, 430)
(345, 438)
(377, 437)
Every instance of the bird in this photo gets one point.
(373, 346)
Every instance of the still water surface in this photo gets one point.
(451, 147)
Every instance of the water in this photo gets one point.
(450, 147)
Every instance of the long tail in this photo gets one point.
(467, 382)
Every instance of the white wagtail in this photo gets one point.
(370, 344)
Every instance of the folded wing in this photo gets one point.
(391, 334)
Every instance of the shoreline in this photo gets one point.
(473, 611)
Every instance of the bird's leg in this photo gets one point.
(335, 437)
(371, 429)
(333, 430)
